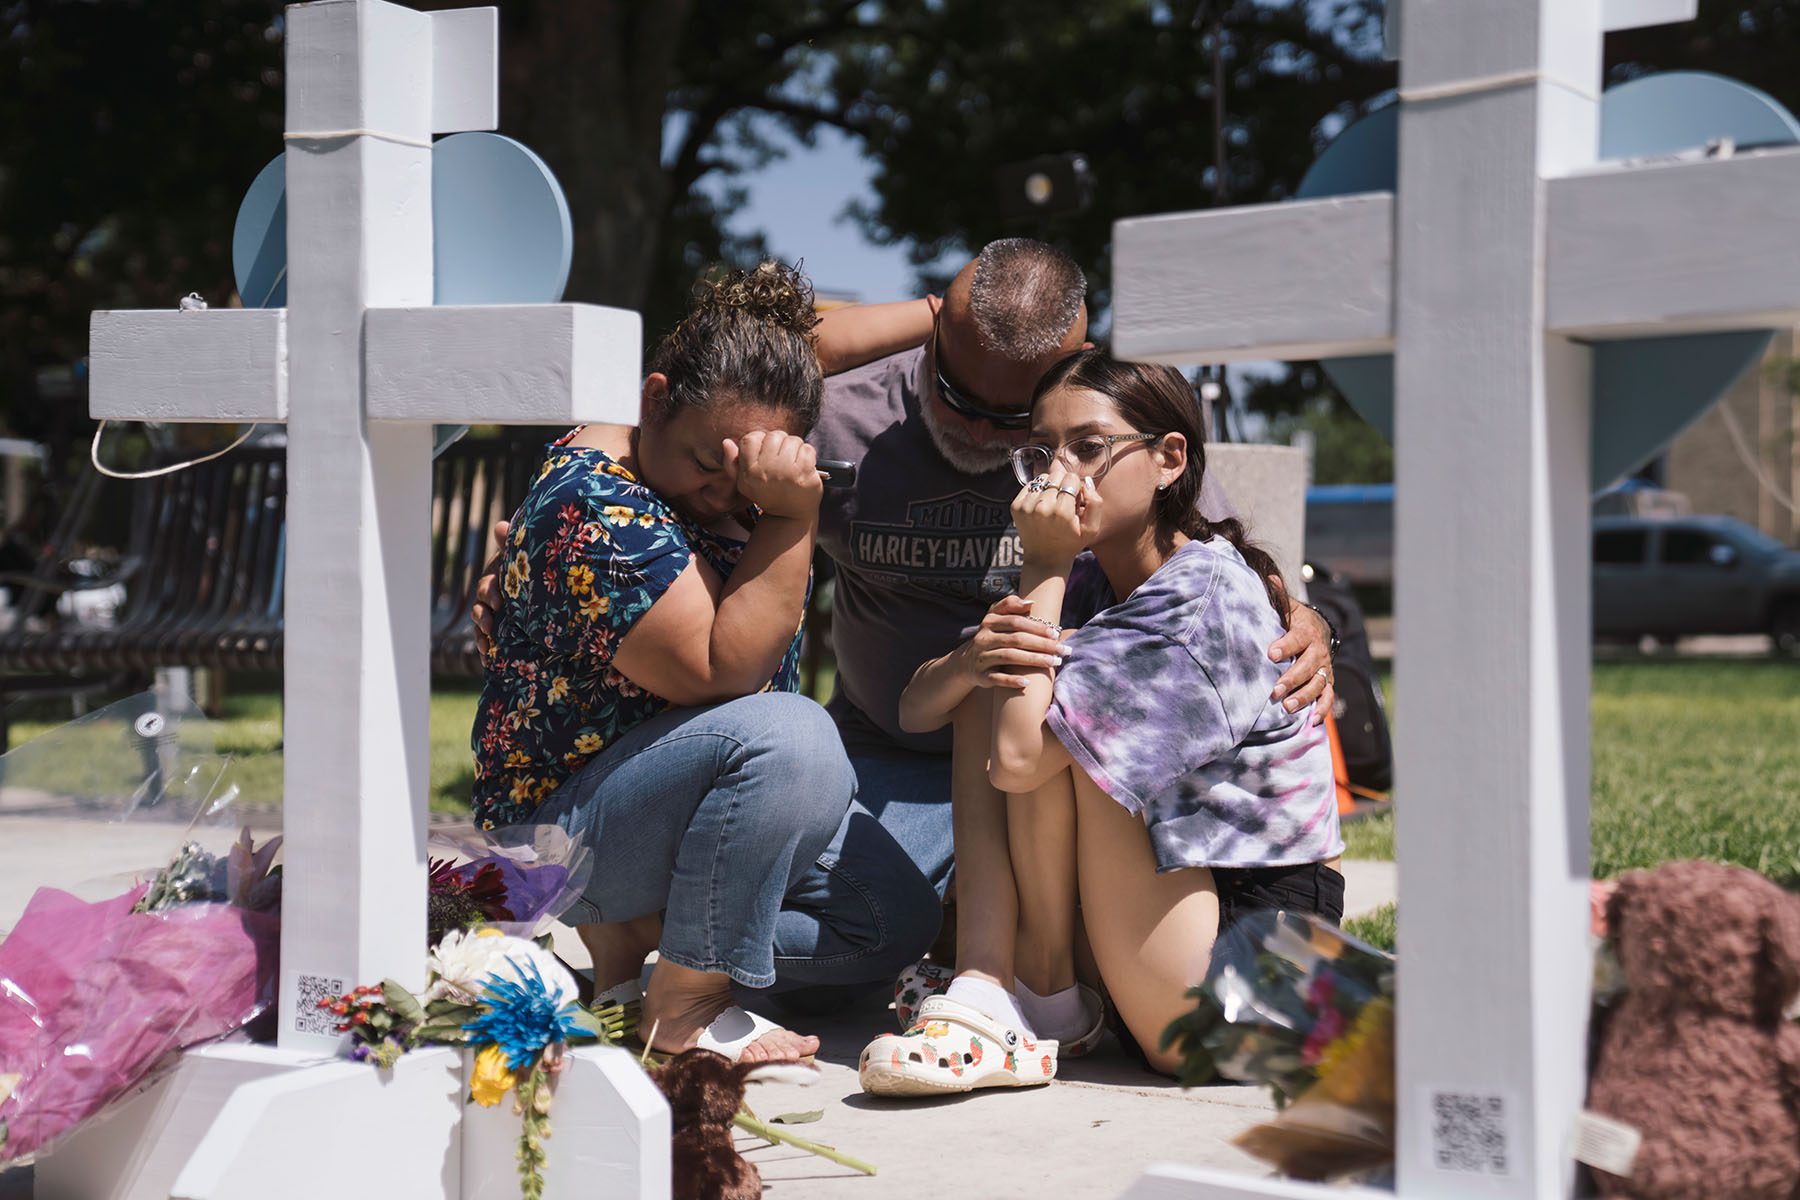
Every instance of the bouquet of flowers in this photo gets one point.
(518, 879)
(94, 995)
(1294, 1003)
(507, 998)
(96, 992)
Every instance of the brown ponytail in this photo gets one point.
(1155, 399)
(748, 337)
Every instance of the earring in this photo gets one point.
(1162, 487)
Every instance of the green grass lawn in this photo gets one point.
(1692, 759)
(250, 731)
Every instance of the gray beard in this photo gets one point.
(962, 456)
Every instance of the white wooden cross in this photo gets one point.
(359, 366)
(1504, 252)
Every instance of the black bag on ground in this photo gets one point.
(1360, 714)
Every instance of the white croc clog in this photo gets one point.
(954, 1048)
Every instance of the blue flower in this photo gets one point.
(522, 1017)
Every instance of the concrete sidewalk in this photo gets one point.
(1091, 1133)
(1088, 1134)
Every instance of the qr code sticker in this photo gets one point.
(308, 1016)
(1468, 1133)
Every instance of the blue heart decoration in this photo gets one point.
(501, 232)
(1646, 390)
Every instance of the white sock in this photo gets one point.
(991, 1000)
(1060, 1015)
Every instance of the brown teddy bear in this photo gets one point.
(1698, 1055)
(705, 1093)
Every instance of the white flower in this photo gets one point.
(466, 961)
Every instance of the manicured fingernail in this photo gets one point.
(1278, 693)
(1292, 706)
(1065, 651)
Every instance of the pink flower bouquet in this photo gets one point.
(93, 995)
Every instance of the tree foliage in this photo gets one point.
(130, 128)
(136, 125)
(954, 89)
(128, 132)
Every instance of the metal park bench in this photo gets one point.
(205, 559)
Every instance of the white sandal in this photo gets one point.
(954, 1048)
(734, 1029)
(726, 1034)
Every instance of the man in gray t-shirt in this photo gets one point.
(923, 543)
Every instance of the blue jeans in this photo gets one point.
(909, 793)
(738, 823)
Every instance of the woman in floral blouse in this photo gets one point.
(641, 684)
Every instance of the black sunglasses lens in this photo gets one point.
(954, 400)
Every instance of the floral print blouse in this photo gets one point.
(591, 549)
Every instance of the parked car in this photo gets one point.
(1674, 577)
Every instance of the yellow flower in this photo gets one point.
(559, 688)
(521, 789)
(490, 1079)
(581, 579)
(592, 607)
(589, 743)
(618, 514)
(517, 758)
(517, 572)
(646, 520)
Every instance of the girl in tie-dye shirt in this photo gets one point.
(1149, 758)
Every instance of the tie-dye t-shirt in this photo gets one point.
(1164, 702)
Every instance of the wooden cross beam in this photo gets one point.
(360, 365)
(1506, 249)
(1660, 250)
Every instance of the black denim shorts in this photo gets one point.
(1313, 888)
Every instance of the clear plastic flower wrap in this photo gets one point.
(519, 878)
(95, 993)
(1293, 1002)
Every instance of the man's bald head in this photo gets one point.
(1022, 298)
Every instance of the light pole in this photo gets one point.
(1209, 16)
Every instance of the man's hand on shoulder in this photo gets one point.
(1308, 642)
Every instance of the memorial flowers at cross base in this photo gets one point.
(94, 996)
(1294, 1003)
(508, 1000)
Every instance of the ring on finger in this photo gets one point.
(1038, 484)
(1067, 491)
(1322, 673)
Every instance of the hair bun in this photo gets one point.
(770, 291)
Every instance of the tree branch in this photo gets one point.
(800, 110)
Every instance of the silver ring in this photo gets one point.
(1068, 491)
(1321, 673)
(1038, 484)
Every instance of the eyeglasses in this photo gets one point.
(960, 403)
(1091, 455)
